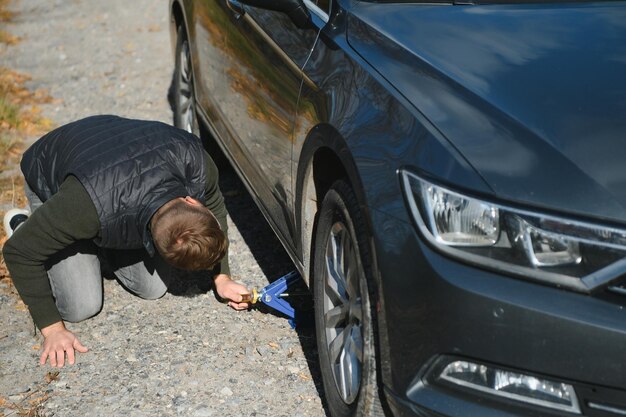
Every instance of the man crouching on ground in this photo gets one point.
(140, 196)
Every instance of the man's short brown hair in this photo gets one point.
(188, 236)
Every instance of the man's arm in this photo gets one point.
(63, 219)
(226, 288)
(214, 201)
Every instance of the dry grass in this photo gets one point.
(30, 404)
(19, 111)
(7, 38)
(5, 14)
(20, 117)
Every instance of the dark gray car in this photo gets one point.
(449, 180)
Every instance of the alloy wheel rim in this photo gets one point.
(343, 312)
(186, 100)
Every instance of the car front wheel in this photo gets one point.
(343, 314)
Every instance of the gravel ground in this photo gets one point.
(185, 354)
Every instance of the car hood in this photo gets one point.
(532, 96)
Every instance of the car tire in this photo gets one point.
(183, 86)
(344, 318)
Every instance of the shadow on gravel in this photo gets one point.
(269, 254)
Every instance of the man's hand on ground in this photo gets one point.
(230, 290)
(58, 341)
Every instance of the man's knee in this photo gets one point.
(75, 316)
(143, 276)
(152, 292)
(80, 310)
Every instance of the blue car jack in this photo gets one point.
(273, 295)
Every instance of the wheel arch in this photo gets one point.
(177, 17)
(325, 158)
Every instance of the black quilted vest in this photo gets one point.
(130, 168)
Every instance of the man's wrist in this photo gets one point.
(52, 328)
(220, 278)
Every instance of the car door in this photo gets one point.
(210, 23)
(264, 80)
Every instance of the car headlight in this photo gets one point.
(560, 251)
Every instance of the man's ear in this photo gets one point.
(192, 201)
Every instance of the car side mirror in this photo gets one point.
(295, 9)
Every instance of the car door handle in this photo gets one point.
(236, 7)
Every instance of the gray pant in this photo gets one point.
(76, 278)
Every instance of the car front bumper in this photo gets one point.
(436, 306)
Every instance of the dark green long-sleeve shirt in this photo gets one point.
(66, 217)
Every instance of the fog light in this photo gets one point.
(512, 385)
